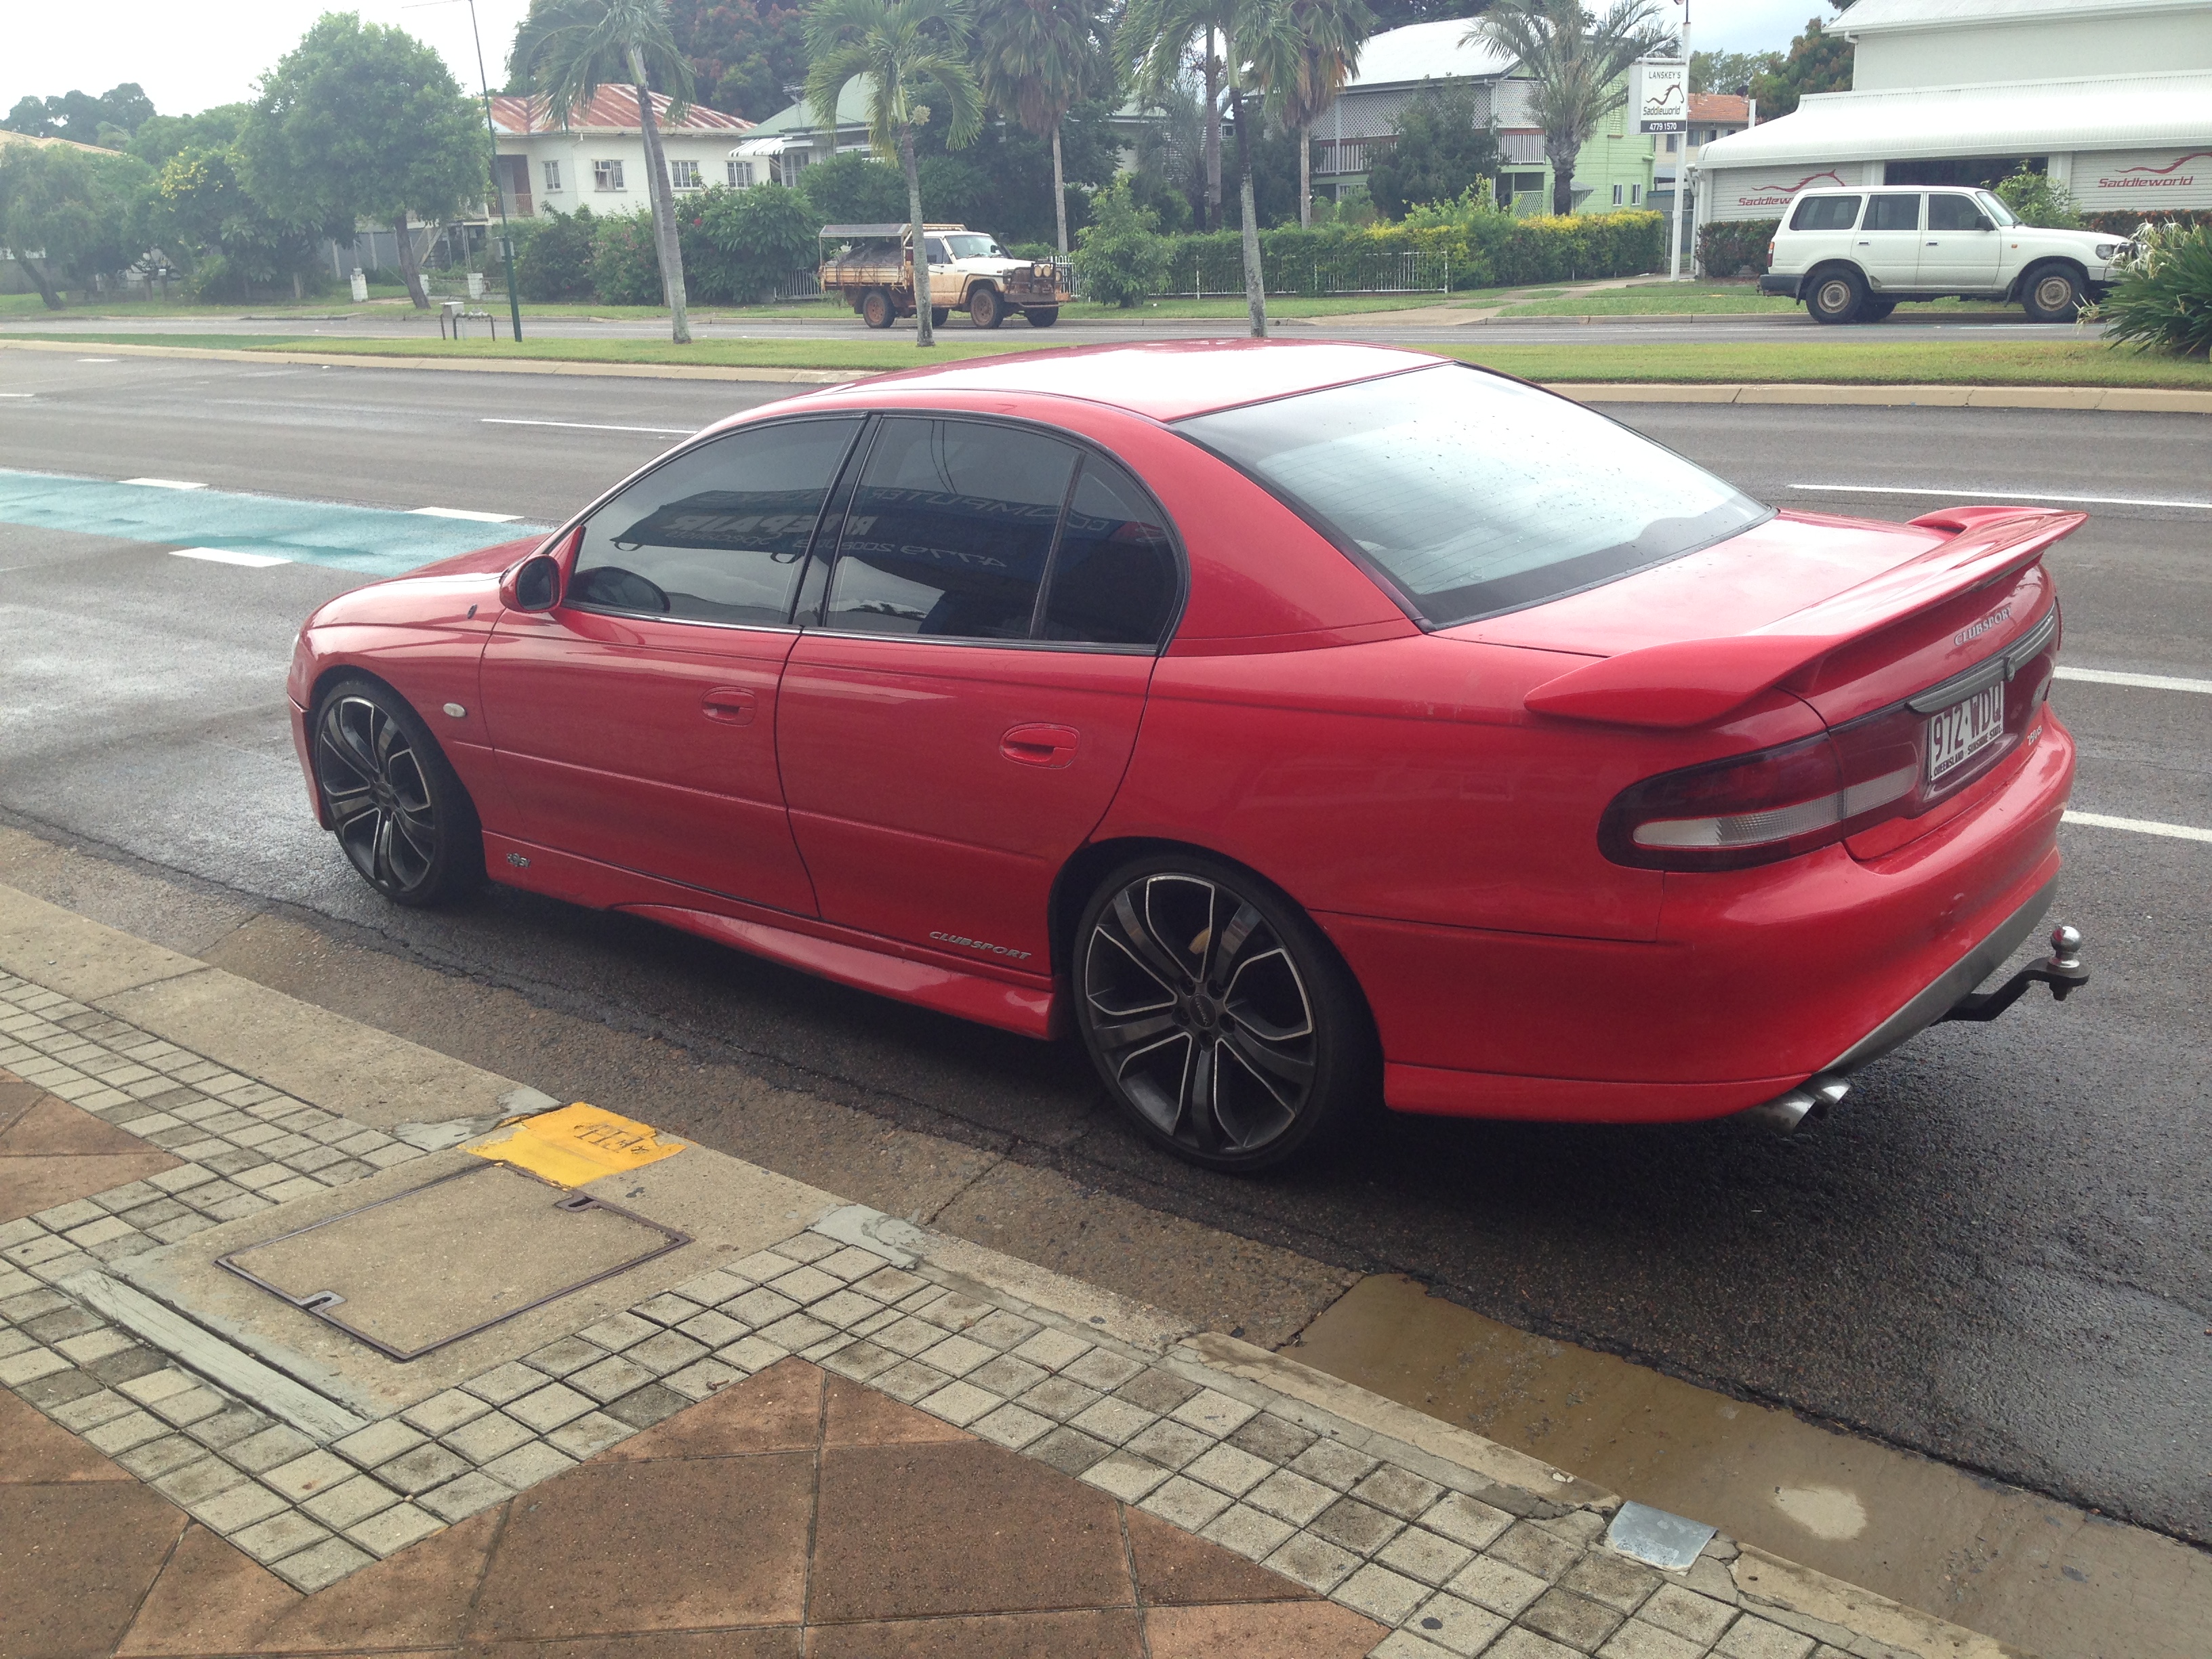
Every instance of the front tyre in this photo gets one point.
(986, 308)
(1218, 1015)
(2053, 294)
(394, 801)
(1042, 316)
(1836, 296)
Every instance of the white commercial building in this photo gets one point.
(2112, 98)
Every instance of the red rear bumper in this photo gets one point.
(1759, 978)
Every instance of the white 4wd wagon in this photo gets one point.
(1850, 255)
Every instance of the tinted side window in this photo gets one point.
(1955, 213)
(1114, 578)
(949, 531)
(1826, 213)
(718, 534)
(1893, 213)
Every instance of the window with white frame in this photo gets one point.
(552, 178)
(606, 175)
(684, 175)
(741, 174)
(1635, 195)
(1616, 196)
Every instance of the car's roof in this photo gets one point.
(1166, 379)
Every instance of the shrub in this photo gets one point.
(2036, 198)
(1736, 247)
(2162, 301)
(2126, 222)
(1121, 256)
(1445, 146)
(855, 189)
(553, 260)
(1485, 248)
(741, 245)
(625, 268)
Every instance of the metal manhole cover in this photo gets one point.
(412, 1273)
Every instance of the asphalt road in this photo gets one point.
(1771, 328)
(1998, 1252)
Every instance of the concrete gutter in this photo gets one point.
(2141, 399)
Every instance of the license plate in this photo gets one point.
(1962, 732)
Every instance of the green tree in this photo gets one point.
(908, 50)
(1037, 58)
(1154, 39)
(79, 117)
(554, 261)
(1725, 71)
(1303, 55)
(1818, 62)
(160, 138)
(745, 243)
(362, 120)
(2036, 198)
(200, 213)
(743, 53)
(1580, 62)
(79, 210)
(1121, 256)
(568, 47)
(1443, 148)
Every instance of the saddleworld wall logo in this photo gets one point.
(2169, 177)
(1779, 194)
(1666, 100)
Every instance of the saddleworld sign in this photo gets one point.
(1659, 92)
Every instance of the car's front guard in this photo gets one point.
(1950, 996)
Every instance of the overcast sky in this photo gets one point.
(189, 54)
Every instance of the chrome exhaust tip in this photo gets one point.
(1811, 1099)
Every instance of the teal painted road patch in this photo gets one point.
(376, 541)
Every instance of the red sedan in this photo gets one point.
(1296, 723)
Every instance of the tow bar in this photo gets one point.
(2061, 970)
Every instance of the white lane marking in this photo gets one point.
(2146, 682)
(99, 360)
(2141, 826)
(593, 426)
(18, 394)
(165, 484)
(1970, 493)
(464, 513)
(224, 556)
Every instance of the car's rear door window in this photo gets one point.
(950, 530)
(718, 534)
(1826, 213)
(1468, 494)
(1893, 211)
(1114, 576)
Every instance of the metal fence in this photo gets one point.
(1219, 273)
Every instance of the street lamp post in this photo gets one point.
(505, 233)
(1682, 161)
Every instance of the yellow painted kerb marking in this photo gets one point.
(579, 1143)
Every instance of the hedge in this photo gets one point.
(1485, 250)
(2127, 223)
(1736, 247)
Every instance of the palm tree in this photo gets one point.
(1154, 38)
(1038, 56)
(1581, 65)
(1305, 53)
(907, 50)
(566, 48)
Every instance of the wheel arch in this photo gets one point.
(2021, 283)
(334, 674)
(1826, 267)
(1090, 864)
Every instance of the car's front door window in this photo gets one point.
(950, 530)
(718, 534)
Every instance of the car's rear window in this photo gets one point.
(1472, 495)
(1826, 213)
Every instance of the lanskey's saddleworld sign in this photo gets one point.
(1659, 92)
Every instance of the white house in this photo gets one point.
(598, 159)
(2112, 98)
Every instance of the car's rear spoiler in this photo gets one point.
(1692, 682)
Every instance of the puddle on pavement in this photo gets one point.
(2014, 1565)
(443, 1261)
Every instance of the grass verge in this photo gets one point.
(1839, 362)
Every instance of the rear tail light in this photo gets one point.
(1780, 802)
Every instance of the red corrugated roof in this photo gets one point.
(613, 107)
(1721, 106)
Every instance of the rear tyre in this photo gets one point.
(939, 315)
(1874, 311)
(876, 310)
(1218, 1015)
(395, 803)
(2053, 294)
(986, 309)
(1042, 316)
(1836, 296)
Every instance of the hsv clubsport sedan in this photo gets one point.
(1291, 723)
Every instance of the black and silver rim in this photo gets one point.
(1835, 297)
(2054, 293)
(1199, 1013)
(378, 797)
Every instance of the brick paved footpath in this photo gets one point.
(812, 1431)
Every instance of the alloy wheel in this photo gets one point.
(1198, 1014)
(377, 794)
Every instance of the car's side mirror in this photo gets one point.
(533, 585)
